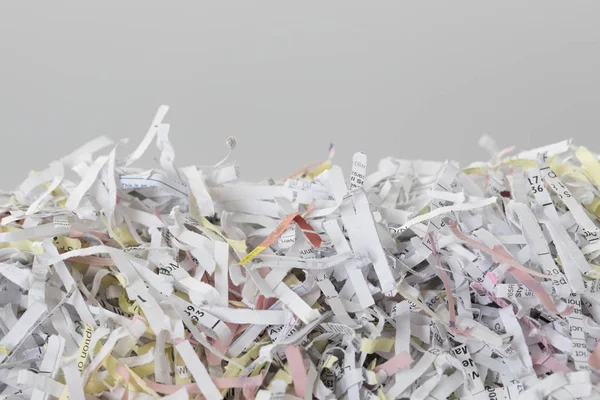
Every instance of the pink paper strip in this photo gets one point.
(221, 345)
(594, 359)
(539, 291)
(395, 364)
(552, 364)
(125, 374)
(296, 364)
(497, 253)
(523, 274)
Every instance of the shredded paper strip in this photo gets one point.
(397, 280)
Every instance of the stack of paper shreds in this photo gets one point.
(406, 279)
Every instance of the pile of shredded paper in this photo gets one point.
(402, 279)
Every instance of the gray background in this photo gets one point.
(409, 79)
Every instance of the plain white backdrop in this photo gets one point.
(407, 79)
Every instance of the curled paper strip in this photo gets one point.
(405, 279)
